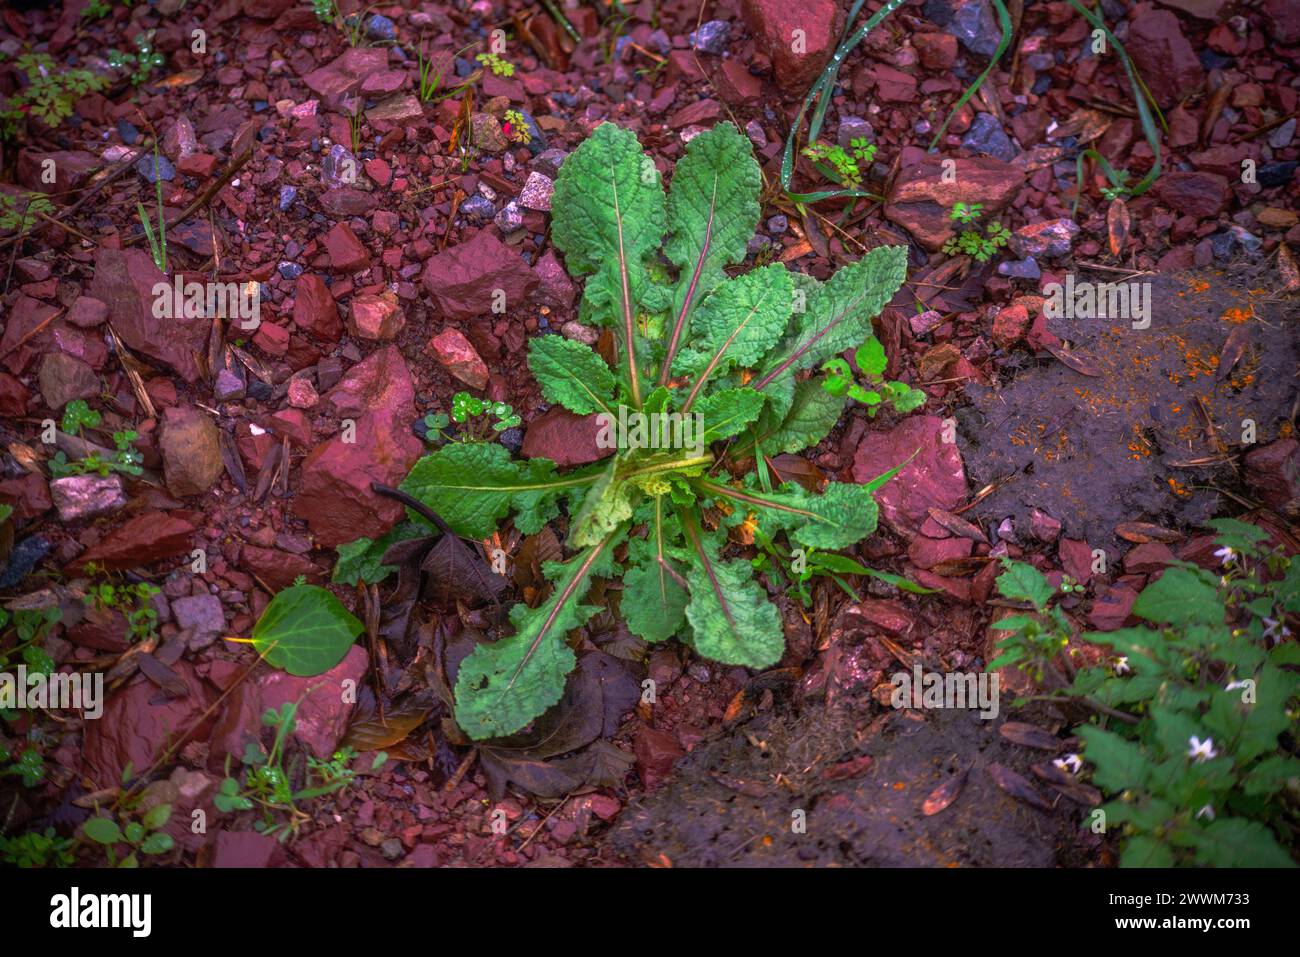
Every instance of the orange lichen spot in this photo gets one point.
(1236, 315)
(1178, 488)
(1199, 285)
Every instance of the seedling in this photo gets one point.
(268, 784)
(870, 360)
(33, 206)
(980, 245)
(30, 626)
(157, 240)
(727, 349)
(515, 127)
(34, 849)
(496, 63)
(844, 163)
(135, 602)
(76, 416)
(141, 63)
(144, 836)
(51, 92)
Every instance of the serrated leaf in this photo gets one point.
(654, 587)
(731, 619)
(474, 485)
(841, 515)
(727, 412)
(305, 631)
(737, 323)
(839, 313)
(1236, 842)
(1181, 597)
(608, 219)
(1024, 582)
(871, 358)
(1120, 763)
(504, 685)
(571, 375)
(605, 506)
(809, 419)
(361, 561)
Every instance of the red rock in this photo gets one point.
(141, 541)
(928, 552)
(921, 202)
(13, 396)
(314, 308)
(1163, 56)
(379, 171)
(334, 495)
(459, 357)
(26, 316)
(246, 849)
(272, 339)
(934, 478)
(464, 280)
(1147, 558)
(376, 317)
(276, 568)
(343, 76)
(63, 378)
(736, 85)
(125, 279)
(774, 22)
(1076, 559)
(201, 165)
(893, 86)
(346, 252)
(1009, 325)
(656, 753)
(1273, 473)
(887, 616)
(1112, 608)
(344, 201)
(293, 424)
(1284, 18)
(557, 288)
(1046, 239)
(323, 713)
(191, 451)
(1204, 9)
(72, 170)
(564, 438)
(301, 393)
(1045, 528)
(139, 724)
(29, 495)
(87, 312)
(701, 111)
(937, 51)
(1202, 195)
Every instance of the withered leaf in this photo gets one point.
(369, 731)
(1080, 364)
(1030, 736)
(942, 796)
(957, 525)
(172, 684)
(456, 572)
(1018, 786)
(1234, 347)
(1142, 532)
(1117, 226)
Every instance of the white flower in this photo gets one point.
(1206, 811)
(1200, 750)
(1071, 763)
(1121, 665)
(1226, 555)
(1271, 631)
(1236, 685)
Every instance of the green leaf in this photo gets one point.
(731, 618)
(305, 631)
(1120, 764)
(504, 685)
(159, 842)
(726, 413)
(809, 419)
(1235, 842)
(103, 830)
(871, 358)
(654, 593)
(360, 561)
(842, 515)
(839, 313)
(1181, 597)
(1143, 851)
(607, 217)
(1023, 582)
(738, 323)
(606, 505)
(474, 485)
(571, 375)
(712, 210)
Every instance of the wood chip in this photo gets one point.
(943, 796)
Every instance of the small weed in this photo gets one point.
(515, 127)
(157, 240)
(144, 836)
(844, 168)
(141, 63)
(37, 850)
(870, 360)
(51, 92)
(76, 416)
(135, 602)
(980, 245)
(14, 221)
(496, 63)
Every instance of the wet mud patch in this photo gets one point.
(1153, 432)
(862, 781)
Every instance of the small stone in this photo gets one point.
(287, 196)
(63, 378)
(190, 449)
(510, 218)
(146, 167)
(1276, 174)
(1044, 527)
(548, 162)
(459, 357)
(202, 616)
(338, 168)
(537, 191)
(376, 317)
(1050, 239)
(87, 312)
(777, 225)
(379, 27)
(711, 37)
(289, 270)
(1281, 137)
(579, 332)
(302, 394)
(228, 386)
(486, 133)
(986, 136)
(1020, 268)
(86, 496)
(478, 208)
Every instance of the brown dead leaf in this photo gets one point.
(1117, 226)
(181, 79)
(1029, 736)
(933, 361)
(957, 525)
(1086, 125)
(943, 796)
(1142, 532)
(1218, 100)
(1080, 364)
(1234, 347)
(1018, 786)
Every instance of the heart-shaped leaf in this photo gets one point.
(305, 631)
